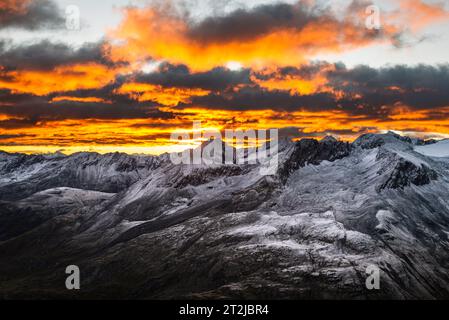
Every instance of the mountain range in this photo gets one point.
(142, 227)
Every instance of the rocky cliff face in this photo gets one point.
(141, 227)
(406, 173)
(313, 152)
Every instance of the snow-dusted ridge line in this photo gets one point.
(181, 231)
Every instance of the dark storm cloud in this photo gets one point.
(29, 112)
(169, 75)
(46, 55)
(107, 93)
(244, 25)
(6, 97)
(82, 110)
(18, 123)
(362, 90)
(254, 98)
(36, 14)
(421, 87)
(365, 78)
(247, 24)
(307, 71)
(14, 136)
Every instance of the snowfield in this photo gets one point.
(439, 149)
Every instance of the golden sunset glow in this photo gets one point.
(292, 83)
(153, 33)
(157, 70)
(79, 99)
(159, 94)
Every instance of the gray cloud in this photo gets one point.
(180, 76)
(257, 98)
(27, 111)
(248, 24)
(38, 14)
(14, 136)
(421, 87)
(365, 78)
(365, 91)
(46, 55)
(243, 25)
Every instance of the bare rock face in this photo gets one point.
(204, 175)
(142, 227)
(406, 173)
(310, 151)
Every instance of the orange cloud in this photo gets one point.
(165, 96)
(272, 79)
(80, 99)
(16, 6)
(151, 32)
(63, 78)
(417, 14)
(260, 38)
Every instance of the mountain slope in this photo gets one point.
(438, 149)
(22, 175)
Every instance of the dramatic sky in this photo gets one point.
(135, 71)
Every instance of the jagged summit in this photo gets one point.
(329, 139)
(313, 152)
(215, 151)
(364, 140)
(373, 140)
